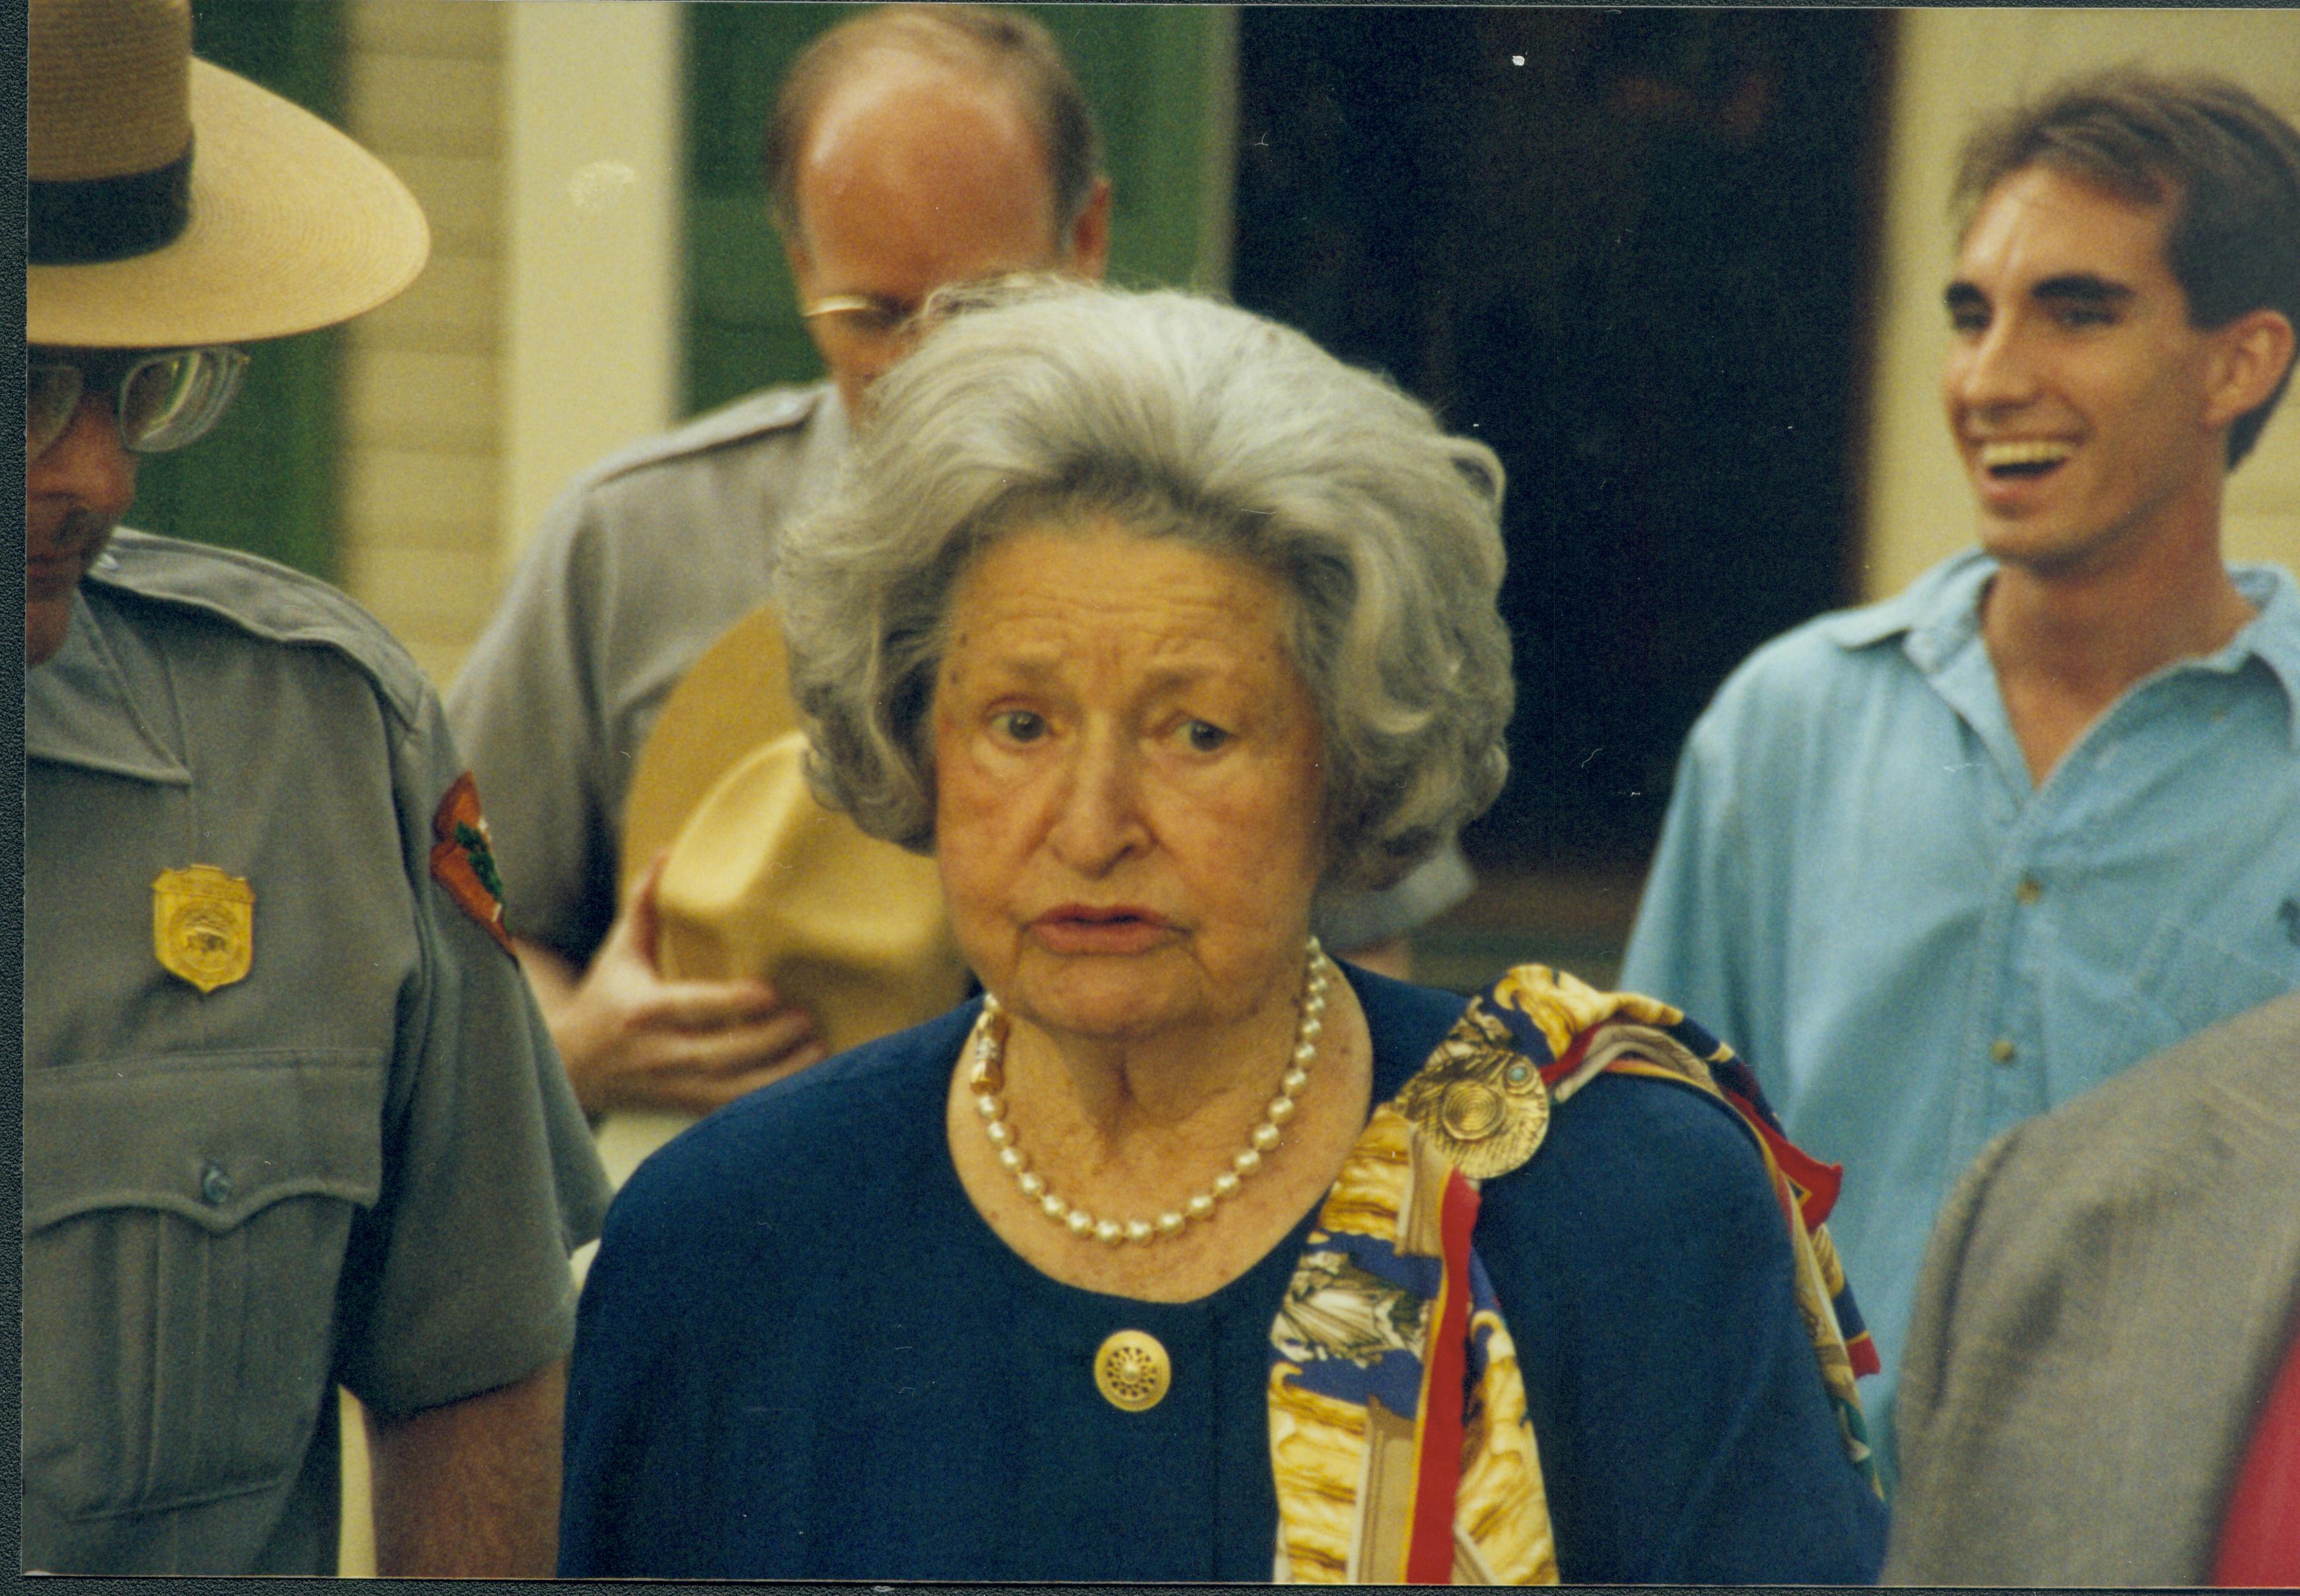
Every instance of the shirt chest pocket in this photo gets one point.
(186, 1222)
(2185, 982)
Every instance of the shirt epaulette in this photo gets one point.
(754, 415)
(265, 600)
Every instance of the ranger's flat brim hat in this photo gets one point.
(171, 203)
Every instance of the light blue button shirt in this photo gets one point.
(1859, 886)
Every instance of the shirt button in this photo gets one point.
(215, 1186)
(2002, 1050)
(2030, 890)
(1132, 1371)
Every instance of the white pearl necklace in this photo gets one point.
(988, 1046)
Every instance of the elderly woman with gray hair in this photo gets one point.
(1182, 1252)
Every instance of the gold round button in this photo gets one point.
(1132, 1371)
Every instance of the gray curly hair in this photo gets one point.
(1044, 402)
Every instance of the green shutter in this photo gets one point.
(1150, 72)
(265, 479)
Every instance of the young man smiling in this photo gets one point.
(2093, 414)
(1942, 863)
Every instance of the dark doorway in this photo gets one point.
(1628, 249)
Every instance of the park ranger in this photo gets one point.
(291, 1120)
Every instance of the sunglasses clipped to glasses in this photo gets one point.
(164, 399)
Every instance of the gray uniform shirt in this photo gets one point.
(358, 1164)
(640, 566)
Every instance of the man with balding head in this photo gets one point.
(911, 147)
(909, 150)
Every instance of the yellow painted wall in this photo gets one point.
(542, 142)
(422, 439)
(592, 181)
(1952, 64)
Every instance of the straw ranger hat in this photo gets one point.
(170, 202)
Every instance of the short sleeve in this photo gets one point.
(527, 709)
(458, 1280)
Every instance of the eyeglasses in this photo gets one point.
(877, 318)
(864, 315)
(163, 400)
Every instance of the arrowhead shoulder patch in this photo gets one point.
(463, 860)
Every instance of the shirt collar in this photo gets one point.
(824, 451)
(2272, 636)
(78, 710)
(1938, 615)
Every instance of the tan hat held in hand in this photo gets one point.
(762, 880)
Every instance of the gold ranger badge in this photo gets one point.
(204, 926)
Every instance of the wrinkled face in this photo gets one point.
(1128, 792)
(2081, 400)
(75, 491)
(914, 178)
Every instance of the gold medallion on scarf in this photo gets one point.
(1478, 1099)
(204, 926)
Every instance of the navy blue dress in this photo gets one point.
(803, 1354)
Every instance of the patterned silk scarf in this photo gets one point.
(1398, 1431)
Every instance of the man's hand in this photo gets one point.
(631, 1039)
(472, 1489)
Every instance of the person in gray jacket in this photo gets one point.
(910, 147)
(2093, 1370)
(291, 1119)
